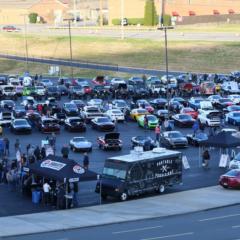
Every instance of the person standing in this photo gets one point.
(6, 146)
(195, 127)
(65, 151)
(157, 133)
(17, 145)
(85, 160)
(46, 193)
(205, 159)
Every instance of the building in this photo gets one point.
(178, 8)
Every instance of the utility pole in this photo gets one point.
(101, 13)
(69, 20)
(166, 59)
(74, 12)
(122, 20)
(26, 42)
(161, 12)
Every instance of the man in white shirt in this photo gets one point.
(46, 192)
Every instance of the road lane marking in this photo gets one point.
(237, 226)
(136, 230)
(170, 236)
(220, 217)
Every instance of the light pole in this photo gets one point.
(69, 20)
(165, 28)
(26, 42)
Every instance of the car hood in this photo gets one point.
(112, 136)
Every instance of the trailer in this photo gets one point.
(139, 173)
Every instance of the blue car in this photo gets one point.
(195, 102)
(233, 118)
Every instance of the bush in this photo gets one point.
(116, 21)
(33, 17)
(150, 14)
(167, 20)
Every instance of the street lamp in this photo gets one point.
(26, 42)
(165, 28)
(69, 20)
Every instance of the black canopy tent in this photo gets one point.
(60, 169)
(222, 140)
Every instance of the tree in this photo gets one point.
(33, 17)
(150, 14)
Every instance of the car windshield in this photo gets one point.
(185, 117)
(236, 114)
(175, 135)
(232, 173)
(151, 118)
(202, 136)
(80, 139)
(115, 173)
(20, 122)
(102, 120)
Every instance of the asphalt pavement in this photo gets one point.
(220, 224)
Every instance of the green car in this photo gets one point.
(28, 91)
(152, 121)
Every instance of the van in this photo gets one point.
(140, 172)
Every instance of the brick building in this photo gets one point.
(135, 8)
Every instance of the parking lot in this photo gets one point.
(13, 203)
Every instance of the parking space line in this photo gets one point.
(220, 217)
(170, 236)
(136, 230)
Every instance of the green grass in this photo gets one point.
(189, 56)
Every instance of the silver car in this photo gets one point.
(80, 144)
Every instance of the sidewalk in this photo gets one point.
(159, 206)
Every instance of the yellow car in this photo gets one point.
(135, 113)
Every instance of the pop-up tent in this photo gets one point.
(222, 140)
(60, 169)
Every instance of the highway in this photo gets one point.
(218, 224)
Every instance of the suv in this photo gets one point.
(9, 92)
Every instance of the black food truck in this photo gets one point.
(138, 173)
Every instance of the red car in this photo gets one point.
(87, 89)
(189, 111)
(230, 179)
(10, 28)
(99, 80)
(110, 141)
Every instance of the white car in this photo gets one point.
(210, 118)
(115, 114)
(115, 81)
(235, 98)
(95, 102)
(214, 98)
(171, 79)
(235, 163)
(80, 144)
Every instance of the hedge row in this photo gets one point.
(136, 21)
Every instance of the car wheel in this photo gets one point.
(123, 196)
(161, 188)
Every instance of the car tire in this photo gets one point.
(161, 188)
(123, 196)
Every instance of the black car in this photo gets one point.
(70, 109)
(143, 141)
(19, 112)
(60, 117)
(76, 92)
(110, 141)
(173, 139)
(159, 103)
(183, 120)
(48, 125)
(79, 103)
(223, 103)
(20, 126)
(75, 124)
(63, 90)
(102, 124)
(53, 92)
(197, 139)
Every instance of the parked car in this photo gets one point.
(135, 113)
(142, 103)
(19, 112)
(48, 125)
(110, 141)
(75, 124)
(70, 109)
(173, 139)
(76, 92)
(197, 139)
(20, 126)
(91, 112)
(103, 124)
(189, 111)
(53, 91)
(233, 118)
(223, 103)
(162, 114)
(115, 114)
(152, 121)
(7, 104)
(235, 163)
(63, 90)
(80, 144)
(46, 82)
(230, 179)
(159, 103)
(183, 120)
(120, 104)
(10, 28)
(140, 141)
(79, 103)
